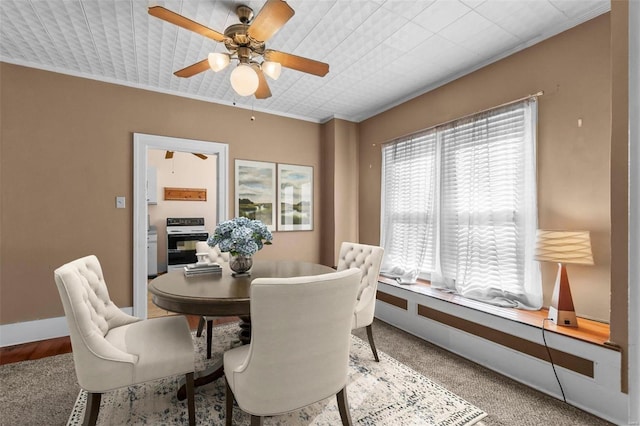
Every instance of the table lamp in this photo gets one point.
(563, 247)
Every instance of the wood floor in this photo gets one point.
(62, 345)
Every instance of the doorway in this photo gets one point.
(218, 152)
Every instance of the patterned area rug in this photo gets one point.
(384, 393)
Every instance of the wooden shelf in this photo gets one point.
(185, 194)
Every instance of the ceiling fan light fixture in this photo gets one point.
(218, 61)
(244, 80)
(272, 69)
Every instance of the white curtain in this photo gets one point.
(408, 201)
(488, 215)
(472, 230)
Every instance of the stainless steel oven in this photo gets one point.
(182, 235)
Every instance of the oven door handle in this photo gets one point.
(191, 235)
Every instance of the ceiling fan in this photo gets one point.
(169, 155)
(245, 42)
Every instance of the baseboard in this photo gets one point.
(33, 331)
(597, 392)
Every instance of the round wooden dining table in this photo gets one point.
(221, 294)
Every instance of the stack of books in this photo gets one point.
(202, 268)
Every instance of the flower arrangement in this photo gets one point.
(240, 236)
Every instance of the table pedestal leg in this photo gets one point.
(216, 371)
(245, 329)
(202, 378)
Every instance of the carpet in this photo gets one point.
(384, 393)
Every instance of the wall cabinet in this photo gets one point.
(152, 185)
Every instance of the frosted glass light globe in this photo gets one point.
(244, 80)
(218, 61)
(272, 69)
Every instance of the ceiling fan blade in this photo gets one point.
(273, 15)
(263, 91)
(186, 23)
(297, 62)
(168, 155)
(202, 156)
(194, 69)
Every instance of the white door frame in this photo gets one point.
(141, 144)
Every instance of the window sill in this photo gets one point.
(588, 330)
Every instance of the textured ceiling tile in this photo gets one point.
(408, 36)
(582, 8)
(407, 8)
(378, 51)
(307, 29)
(440, 14)
(381, 24)
(478, 34)
(24, 36)
(523, 19)
(66, 23)
(112, 33)
(473, 4)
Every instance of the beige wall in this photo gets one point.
(67, 152)
(339, 187)
(573, 170)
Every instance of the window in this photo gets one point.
(459, 207)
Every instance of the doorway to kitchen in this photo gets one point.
(143, 145)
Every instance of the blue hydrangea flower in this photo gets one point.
(240, 236)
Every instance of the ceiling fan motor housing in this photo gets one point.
(237, 37)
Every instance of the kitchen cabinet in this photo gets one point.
(152, 185)
(152, 252)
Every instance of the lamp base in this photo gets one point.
(561, 310)
(564, 318)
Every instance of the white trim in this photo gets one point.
(141, 144)
(634, 213)
(599, 395)
(33, 331)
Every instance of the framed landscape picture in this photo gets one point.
(295, 198)
(256, 191)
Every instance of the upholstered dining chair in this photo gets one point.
(368, 259)
(215, 256)
(299, 349)
(112, 349)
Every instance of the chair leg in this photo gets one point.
(373, 345)
(256, 420)
(191, 400)
(209, 333)
(92, 408)
(229, 405)
(343, 406)
(200, 326)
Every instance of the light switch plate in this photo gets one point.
(120, 203)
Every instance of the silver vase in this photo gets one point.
(240, 264)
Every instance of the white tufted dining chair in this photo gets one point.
(299, 350)
(215, 256)
(368, 259)
(112, 349)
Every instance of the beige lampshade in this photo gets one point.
(564, 247)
